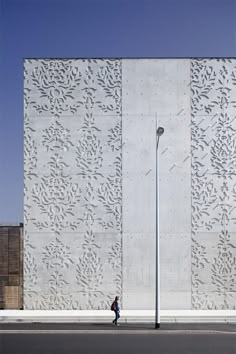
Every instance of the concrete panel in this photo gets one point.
(138, 271)
(158, 89)
(175, 300)
(72, 270)
(138, 183)
(73, 194)
(155, 85)
(213, 182)
(175, 204)
(175, 270)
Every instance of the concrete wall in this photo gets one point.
(90, 183)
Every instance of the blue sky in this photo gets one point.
(94, 28)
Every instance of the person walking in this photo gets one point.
(116, 308)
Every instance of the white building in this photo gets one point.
(90, 186)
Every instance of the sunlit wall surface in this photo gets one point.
(90, 183)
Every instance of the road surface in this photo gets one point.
(105, 339)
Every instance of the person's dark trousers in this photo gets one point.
(117, 317)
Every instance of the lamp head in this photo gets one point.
(160, 131)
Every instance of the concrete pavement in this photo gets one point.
(110, 328)
(127, 316)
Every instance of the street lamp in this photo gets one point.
(159, 133)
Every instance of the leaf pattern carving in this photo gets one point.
(114, 137)
(114, 258)
(74, 166)
(30, 268)
(224, 266)
(56, 254)
(109, 78)
(56, 196)
(30, 156)
(109, 194)
(223, 149)
(56, 137)
(89, 270)
(56, 81)
(213, 167)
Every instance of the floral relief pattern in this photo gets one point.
(56, 81)
(89, 150)
(223, 148)
(56, 197)
(224, 270)
(90, 271)
(90, 156)
(30, 155)
(109, 78)
(114, 137)
(213, 132)
(114, 258)
(30, 270)
(56, 254)
(109, 194)
(73, 165)
(56, 259)
(56, 137)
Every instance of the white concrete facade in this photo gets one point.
(90, 183)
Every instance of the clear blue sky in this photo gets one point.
(94, 28)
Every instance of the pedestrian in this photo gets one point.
(116, 308)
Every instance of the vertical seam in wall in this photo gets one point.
(191, 243)
(121, 117)
(21, 266)
(224, 225)
(23, 229)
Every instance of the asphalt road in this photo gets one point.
(110, 340)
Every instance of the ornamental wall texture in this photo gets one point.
(89, 172)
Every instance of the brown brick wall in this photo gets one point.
(11, 267)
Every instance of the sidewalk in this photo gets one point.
(99, 328)
(127, 316)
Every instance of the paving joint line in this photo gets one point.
(151, 331)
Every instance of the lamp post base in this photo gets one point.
(157, 325)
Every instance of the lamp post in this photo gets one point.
(159, 132)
